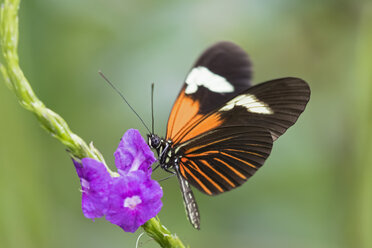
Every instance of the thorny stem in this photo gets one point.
(53, 123)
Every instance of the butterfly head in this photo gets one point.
(154, 141)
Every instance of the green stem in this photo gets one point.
(160, 233)
(17, 82)
(54, 124)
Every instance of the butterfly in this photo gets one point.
(221, 129)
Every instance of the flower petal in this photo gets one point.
(147, 194)
(133, 154)
(95, 186)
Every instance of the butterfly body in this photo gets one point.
(166, 156)
(221, 129)
(169, 161)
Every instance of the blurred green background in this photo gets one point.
(315, 189)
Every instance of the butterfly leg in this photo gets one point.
(166, 178)
(156, 167)
(168, 170)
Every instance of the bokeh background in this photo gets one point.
(315, 189)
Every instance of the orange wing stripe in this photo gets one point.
(207, 177)
(199, 147)
(231, 168)
(202, 154)
(194, 121)
(253, 153)
(184, 109)
(198, 181)
(183, 172)
(173, 114)
(241, 160)
(205, 125)
(218, 173)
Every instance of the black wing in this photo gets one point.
(224, 158)
(221, 150)
(220, 73)
(225, 60)
(274, 105)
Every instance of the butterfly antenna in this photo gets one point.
(122, 96)
(152, 106)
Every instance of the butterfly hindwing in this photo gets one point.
(224, 158)
(219, 74)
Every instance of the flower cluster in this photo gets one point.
(128, 199)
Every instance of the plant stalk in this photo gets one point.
(53, 123)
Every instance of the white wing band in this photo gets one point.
(201, 76)
(250, 102)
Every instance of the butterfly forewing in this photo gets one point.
(274, 105)
(219, 74)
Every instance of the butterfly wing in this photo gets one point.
(274, 105)
(221, 150)
(221, 128)
(224, 158)
(219, 74)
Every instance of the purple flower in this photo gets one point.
(128, 200)
(133, 154)
(95, 186)
(134, 199)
